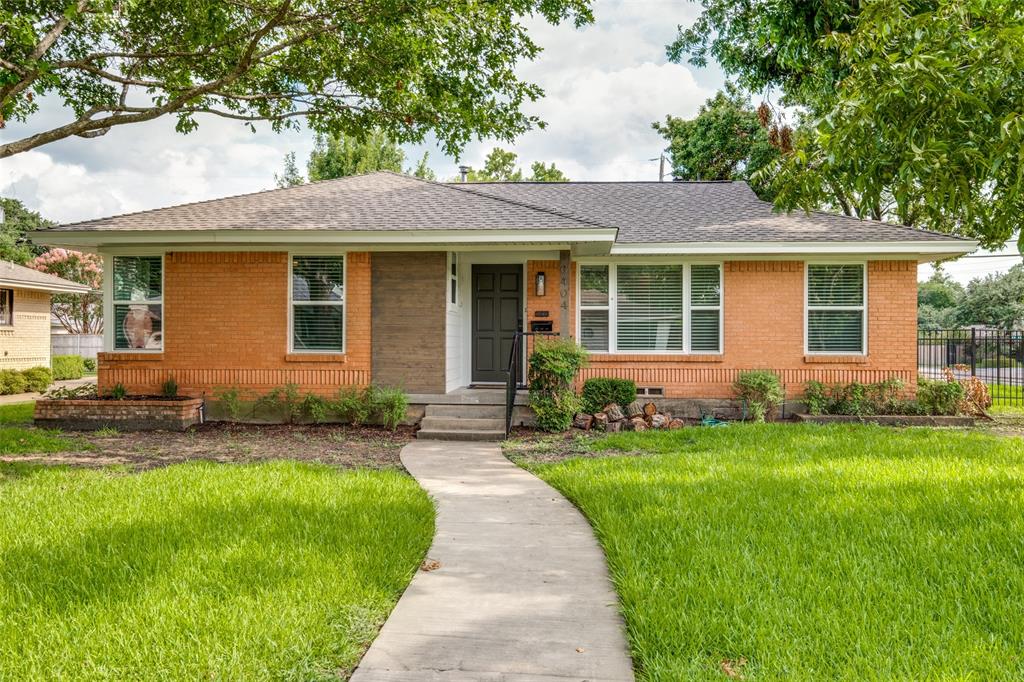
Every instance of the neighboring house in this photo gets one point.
(25, 314)
(388, 279)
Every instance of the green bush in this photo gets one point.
(350, 406)
(118, 392)
(601, 391)
(939, 397)
(816, 398)
(554, 365)
(12, 382)
(169, 389)
(315, 408)
(68, 367)
(857, 399)
(90, 364)
(761, 390)
(38, 379)
(283, 401)
(385, 405)
(230, 400)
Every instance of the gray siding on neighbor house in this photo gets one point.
(408, 320)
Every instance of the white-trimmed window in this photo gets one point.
(836, 321)
(651, 308)
(6, 307)
(317, 304)
(138, 301)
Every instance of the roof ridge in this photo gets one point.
(534, 207)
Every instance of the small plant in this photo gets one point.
(761, 390)
(315, 408)
(230, 399)
(118, 392)
(940, 397)
(67, 367)
(169, 389)
(89, 364)
(284, 400)
(385, 405)
(851, 398)
(107, 432)
(816, 397)
(600, 391)
(350, 406)
(554, 365)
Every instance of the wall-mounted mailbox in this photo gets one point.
(541, 326)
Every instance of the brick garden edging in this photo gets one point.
(886, 419)
(126, 415)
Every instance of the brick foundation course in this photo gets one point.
(125, 415)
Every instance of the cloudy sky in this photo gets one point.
(604, 86)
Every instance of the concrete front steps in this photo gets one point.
(465, 421)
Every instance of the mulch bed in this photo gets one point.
(342, 446)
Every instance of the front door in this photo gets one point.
(497, 316)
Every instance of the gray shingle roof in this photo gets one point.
(376, 201)
(18, 275)
(642, 212)
(659, 212)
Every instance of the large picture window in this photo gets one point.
(6, 307)
(318, 304)
(650, 308)
(138, 300)
(835, 308)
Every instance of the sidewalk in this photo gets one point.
(521, 593)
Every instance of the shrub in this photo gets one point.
(883, 397)
(976, 398)
(350, 406)
(283, 400)
(89, 364)
(315, 408)
(230, 399)
(169, 389)
(940, 397)
(38, 379)
(68, 367)
(761, 390)
(387, 406)
(816, 398)
(554, 365)
(12, 381)
(600, 391)
(118, 392)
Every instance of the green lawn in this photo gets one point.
(201, 571)
(16, 439)
(16, 413)
(814, 553)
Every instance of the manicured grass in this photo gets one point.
(16, 413)
(16, 438)
(840, 552)
(201, 571)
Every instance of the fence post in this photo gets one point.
(974, 351)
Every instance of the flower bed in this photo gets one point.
(133, 413)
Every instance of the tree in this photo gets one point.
(338, 156)
(937, 301)
(422, 170)
(77, 313)
(346, 67)
(994, 300)
(725, 141)
(501, 166)
(17, 222)
(912, 108)
(290, 176)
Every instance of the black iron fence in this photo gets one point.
(993, 355)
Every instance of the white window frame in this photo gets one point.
(863, 308)
(453, 282)
(8, 325)
(343, 303)
(612, 306)
(112, 316)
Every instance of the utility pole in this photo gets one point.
(661, 166)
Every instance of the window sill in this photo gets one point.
(316, 357)
(648, 357)
(132, 356)
(835, 359)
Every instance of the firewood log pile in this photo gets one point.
(635, 417)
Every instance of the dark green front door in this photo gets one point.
(497, 316)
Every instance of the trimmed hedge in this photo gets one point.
(36, 379)
(68, 367)
(601, 391)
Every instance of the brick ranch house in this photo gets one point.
(389, 279)
(25, 314)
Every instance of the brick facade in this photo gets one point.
(226, 324)
(127, 415)
(27, 342)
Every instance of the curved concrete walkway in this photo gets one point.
(522, 592)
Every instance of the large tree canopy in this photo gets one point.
(446, 66)
(914, 109)
(501, 165)
(725, 141)
(338, 156)
(16, 222)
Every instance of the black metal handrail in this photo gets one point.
(512, 382)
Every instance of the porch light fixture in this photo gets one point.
(538, 284)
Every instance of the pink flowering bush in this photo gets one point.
(77, 313)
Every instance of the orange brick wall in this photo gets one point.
(764, 329)
(226, 324)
